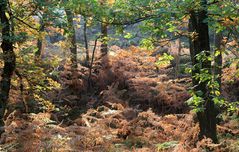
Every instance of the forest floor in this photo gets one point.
(132, 106)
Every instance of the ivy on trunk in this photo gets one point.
(200, 43)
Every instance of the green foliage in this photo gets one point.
(164, 60)
(147, 43)
(128, 36)
(36, 77)
(166, 145)
(204, 76)
(232, 106)
(196, 102)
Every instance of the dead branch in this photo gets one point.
(91, 64)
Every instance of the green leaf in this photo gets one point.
(128, 36)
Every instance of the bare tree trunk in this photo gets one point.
(91, 65)
(177, 57)
(40, 41)
(72, 38)
(207, 117)
(8, 57)
(104, 43)
(86, 42)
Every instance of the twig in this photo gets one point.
(25, 23)
(91, 64)
(227, 130)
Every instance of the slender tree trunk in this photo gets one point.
(91, 65)
(177, 57)
(219, 46)
(104, 43)
(86, 42)
(207, 117)
(8, 57)
(40, 41)
(72, 38)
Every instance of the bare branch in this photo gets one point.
(25, 23)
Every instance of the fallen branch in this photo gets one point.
(227, 130)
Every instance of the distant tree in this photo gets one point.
(104, 29)
(104, 37)
(42, 20)
(40, 40)
(86, 42)
(72, 37)
(42, 11)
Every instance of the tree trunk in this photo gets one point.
(177, 57)
(86, 42)
(104, 43)
(8, 57)
(219, 46)
(40, 41)
(207, 117)
(72, 38)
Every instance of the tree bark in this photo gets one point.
(86, 42)
(177, 57)
(9, 59)
(72, 38)
(40, 41)
(219, 46)
(104, 43)
(207, 117)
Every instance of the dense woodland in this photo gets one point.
(119, 75)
